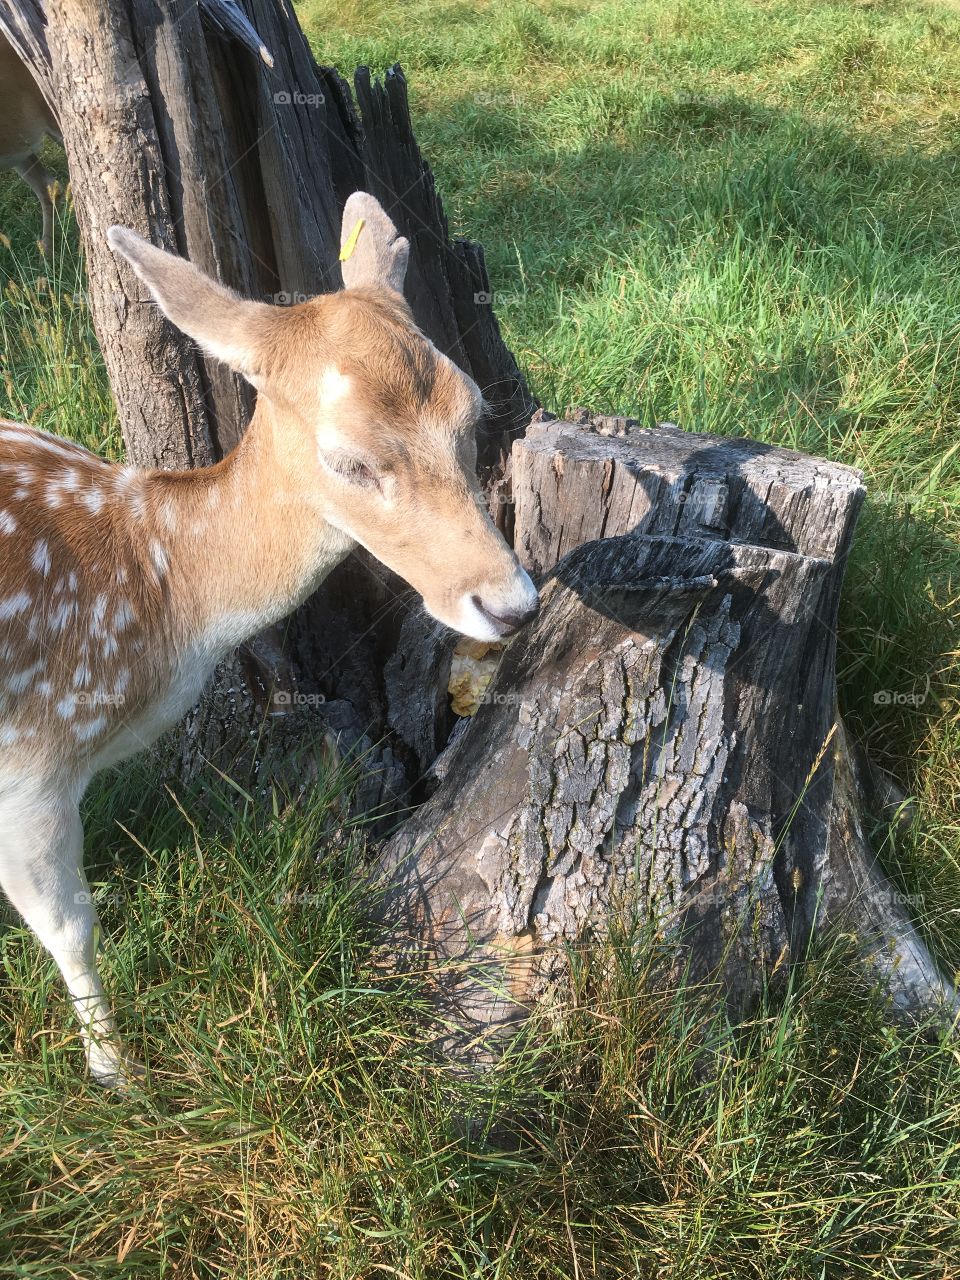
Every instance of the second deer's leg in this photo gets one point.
(41, 872)
(40, 180)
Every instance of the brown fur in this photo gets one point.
(24, 122)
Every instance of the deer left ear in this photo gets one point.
(372, 251)
(222, 323)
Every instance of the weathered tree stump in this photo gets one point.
(663, 747)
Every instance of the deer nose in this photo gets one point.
(506, 621)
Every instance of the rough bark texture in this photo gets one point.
(663, 745)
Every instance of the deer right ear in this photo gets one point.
(372, 251)
(221, 322)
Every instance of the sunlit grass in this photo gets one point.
(52, 373)
(294, 1122)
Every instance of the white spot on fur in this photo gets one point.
(93, 500)
(98, 612)
(25, 477)
(67, 707)
(84, 732)
(61, 615)
(123, 615)
(18, 434)
(13, 605)
(334, 385)
(159, 557)
(7, 523)
(66, 485)
(40, 558)
(19, 680)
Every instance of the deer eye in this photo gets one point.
(354, 471)
(359, 473)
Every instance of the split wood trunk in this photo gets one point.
(662, 746)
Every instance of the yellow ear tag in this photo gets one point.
(351, 241)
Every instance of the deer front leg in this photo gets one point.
(41, 872)
(41, 182)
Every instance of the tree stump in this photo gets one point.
(663, 747)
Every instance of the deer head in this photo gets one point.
(376, 423)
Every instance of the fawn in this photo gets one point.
(121, 589)
(25, 122)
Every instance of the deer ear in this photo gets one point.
(372, 251)
(221, 322)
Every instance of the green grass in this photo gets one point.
(739, 217)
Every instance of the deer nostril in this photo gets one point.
(508, 620)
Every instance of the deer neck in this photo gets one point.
(242, 543)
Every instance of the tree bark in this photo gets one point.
(663, 748)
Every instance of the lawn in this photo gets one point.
(740, 217)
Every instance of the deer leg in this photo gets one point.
(40, 180)
(41, 872)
